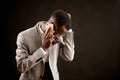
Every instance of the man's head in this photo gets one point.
(61, 20)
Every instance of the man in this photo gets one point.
(38, 47)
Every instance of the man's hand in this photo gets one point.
(48, 39)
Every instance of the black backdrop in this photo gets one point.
(96, 25)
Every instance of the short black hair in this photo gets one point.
(61, 18)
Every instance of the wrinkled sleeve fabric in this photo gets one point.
(67, 47)
(24, 60)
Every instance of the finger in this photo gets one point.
(69, 15)
(49, 34)
(51, 39)
(48, 31)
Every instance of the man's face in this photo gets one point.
(60, 31)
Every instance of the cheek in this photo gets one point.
(63, 32)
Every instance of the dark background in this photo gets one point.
(96, 25)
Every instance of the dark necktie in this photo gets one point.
(47, 74)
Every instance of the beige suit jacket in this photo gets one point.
(30, 55)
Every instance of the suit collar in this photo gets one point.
(38, 27)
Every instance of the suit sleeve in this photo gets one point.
(67, 47)
(24, 60)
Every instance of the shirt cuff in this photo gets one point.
(70, 30)
(44, 52)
